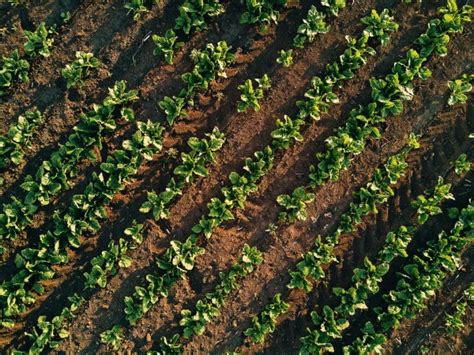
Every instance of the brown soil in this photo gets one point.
(126, 52)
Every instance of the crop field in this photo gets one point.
(236, 177)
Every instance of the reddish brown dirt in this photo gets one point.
(104, 28)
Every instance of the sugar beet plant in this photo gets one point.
(192, 164)
(262, 12)
(193, 17)
(250, 96)
(18, 139)
(193, 14)
(138, 7)
(34, 265)
(179, 258)
(416, 283)
(107, 263)
(39, 41)
(49, 333)
(366, 280)
(453, 321)
(315, 22)
(208, 308)
(459, 88)
(55, 174)
(310, 269)
(388, 95)
(208, 65)
(15, 67)
(76, 72)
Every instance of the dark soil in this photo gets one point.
(125, 49)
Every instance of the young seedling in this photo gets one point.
(76, 72)
(38, 42)
(459, 88)
(285, 58)
(250, 96)
(166, 45)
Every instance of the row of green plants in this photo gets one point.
(179, 258)
(15, 66)
(350, 139)
(388, 95)
(321, 97)
(454, 320)
(417, 282)
(56, 173)
(310, 269)
(313, 25)
(193, 17)
(49, 333)
(193, 164)
(209, 64)
(87, 210)
(109, 261)
(366, 280)
(206, 309)
(19, 137)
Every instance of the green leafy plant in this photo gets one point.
(79, 69)
(112, 337)
(166, 45)
(427, 207)
(380, 25)
(137, 7)
(193, 164)
(459, 88)
(38, 42)
(334, 6)
(262, 12)
(453, 322)
(462, 165)
(13, 67)
(294, 206)
(209, 307)
(208, 65)
(18, 139)
(285, 58)
(250, 96)
(193, 14)
(170, 345)
(287, 131)
(313, 24)
(266, 321)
